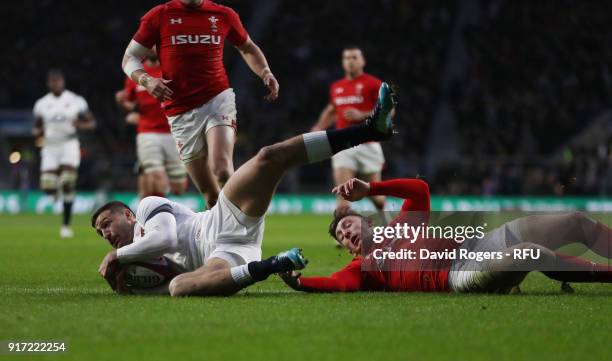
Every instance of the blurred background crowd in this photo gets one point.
(505, 97)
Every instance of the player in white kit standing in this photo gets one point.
(57, 117)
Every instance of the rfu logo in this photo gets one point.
(195, 39)
(176, 21)
(213, 23)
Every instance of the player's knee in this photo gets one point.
(222, 170)
(49, 183)
(271, 154)
(580, 218)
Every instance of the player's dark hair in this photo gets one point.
(113, 206)
(352, 47)
(339, 214)
(55, 72)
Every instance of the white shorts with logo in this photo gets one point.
(367, 158)
(54, 155)
(157, 151)
(229, 234)
(189, 129)
(474, 276)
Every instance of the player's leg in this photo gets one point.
(252, 186)
(220, 277)
(67, 181)
(202, 177)
(143, 185)
(556, 231)
(188, 130)
(177, 175)
(342, 175)
(151, 158)
(220, 141)
(69, 165)
(159, 183)
(526, 257)
(371, 163)
(49, 170)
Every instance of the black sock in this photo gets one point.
(341, 139)
(261, 270)
(67, 213)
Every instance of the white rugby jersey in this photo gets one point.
(188, 224)
(58, 114)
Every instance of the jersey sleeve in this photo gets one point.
(237, 34)
(149, 207)
(82, 105)
(148, 31)
(415, 192)
(347, 279)
(36, 112)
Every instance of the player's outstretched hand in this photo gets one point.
(272, 84)
(291, 279)
(109, 267)
(159, 89)
(352, 190)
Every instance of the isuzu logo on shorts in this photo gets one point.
(196, 39)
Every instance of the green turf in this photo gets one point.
(50, 290)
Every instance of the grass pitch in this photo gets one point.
(50, 290)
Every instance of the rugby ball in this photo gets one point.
(143, 275)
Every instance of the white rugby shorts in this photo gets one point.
(189, 129)
(367, 158)
(474, 276)
(157, 151)
(229, 234)
(54, 155)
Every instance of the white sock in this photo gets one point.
(241, 275)
(317, 146)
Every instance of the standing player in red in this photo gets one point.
(189, 36)
(542, 232)
(158, 159)
(351, 100)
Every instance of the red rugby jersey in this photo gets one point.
(189, 44)
(152, 118)
(401, 275)
(360, 93)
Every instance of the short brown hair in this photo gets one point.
(339, 214)
(113, 206)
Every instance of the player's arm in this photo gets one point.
(415, 192)
(160, 237)
(133, 67)
(85, 121)
(326, 118)
(347, 279)
(37, 128)
(122, 98)
(256, 60)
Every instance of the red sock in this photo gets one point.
(576, 269)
